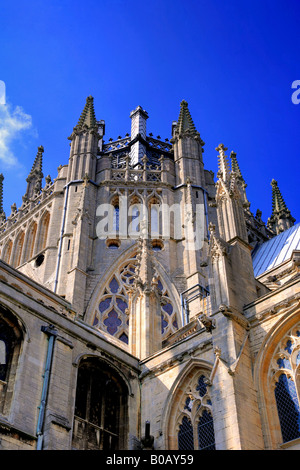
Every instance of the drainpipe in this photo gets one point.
(52, 333)
(62, 232)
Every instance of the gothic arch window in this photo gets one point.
(115, 214)
(284, 381)
(154, 217)
(112, 316)
(43, 231)
(136, 217)
(100, 417)
(7, 250)
(10, 343)
(191, 424)
(18, 248)
(30, 241)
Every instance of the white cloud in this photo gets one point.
(13, 122)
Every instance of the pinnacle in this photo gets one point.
(1, 193)
(224, 170)
(235, 166)
(88, 117)
(185, 121)
(278, 203)
(38, 163)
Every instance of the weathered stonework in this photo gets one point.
(170, 335)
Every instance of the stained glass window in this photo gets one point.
(285, 370)
(112, 316)
(288, 408)
(206, 435)
(195, 422)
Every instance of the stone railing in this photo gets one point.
(142, 172)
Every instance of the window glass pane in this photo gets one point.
(288, 408)
(206, 433)
(185, 435)
(201, 387)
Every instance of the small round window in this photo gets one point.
(39, 260)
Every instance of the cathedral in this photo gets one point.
(143, 306)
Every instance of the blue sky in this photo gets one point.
(233, 61)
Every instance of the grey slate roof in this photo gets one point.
(275, 251)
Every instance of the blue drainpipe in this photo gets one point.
(52, 333)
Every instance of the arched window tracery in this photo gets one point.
(43, 231)
(18, 248)
(7, 251)
(112, 315)
(193, 417)
(285, 384)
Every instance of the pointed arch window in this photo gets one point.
(100, 421)
(18, 248)
(30, 241)
(10, 343)
(43, 231)
(7, 251)
(112, 315)
(284, 373)
(195, 427)
(115, 214)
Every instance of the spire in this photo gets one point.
(281, 218)
(235, 166)
(230, 200)
(36, 169)
(224, 170)
(88, 116)
(34, 179)
(1, 193)
(2, 213)
(278, 203)
(185, 121)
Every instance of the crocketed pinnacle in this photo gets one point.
(235, 166)
(36, 170)
(185, 121)
(278, 203)
(88, 116)
(224, 170)
(1, 193)
(281, 218)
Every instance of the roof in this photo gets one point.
(275, 251)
